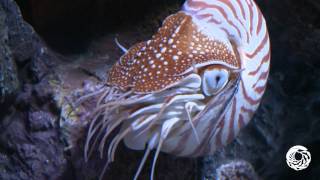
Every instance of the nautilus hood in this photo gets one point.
(180, 45)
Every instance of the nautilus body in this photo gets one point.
(189, 89)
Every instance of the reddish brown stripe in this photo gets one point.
(242, 9)
(247, 97)
(203, 16)
(260, 89)
(240, 121)
(216, 102)
(263, 76)
(250, 2)
(196, 4)
(262, 44)
(265, 59)
(248, 111)
(204, 146)
(234, 12)
(251, 18)
(218, 136)
(236, 27)
(231, 124)
(203, 5)
(218, 142)
(244, 16)
(212, 19)
(226, 31)
(259, 22)
(210, 130)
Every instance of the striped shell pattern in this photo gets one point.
(189, 89)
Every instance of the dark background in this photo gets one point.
(31, 143)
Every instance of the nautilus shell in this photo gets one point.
(189, 89)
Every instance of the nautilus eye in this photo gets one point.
(171, 94)
(214, 80)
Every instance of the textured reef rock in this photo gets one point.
(30, 147)
(41, 138)
(236, 170)
(8, 73)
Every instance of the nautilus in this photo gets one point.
(189, 89)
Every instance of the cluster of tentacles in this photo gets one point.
(155, 117)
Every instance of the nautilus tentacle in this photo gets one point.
(189, 89)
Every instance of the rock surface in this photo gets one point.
(9, 82)
(40, 138)
(30, 146)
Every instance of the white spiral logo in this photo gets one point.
(298, 158)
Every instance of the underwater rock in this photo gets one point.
(236, 170)
(9, 82)
(19, 45)
(30, 145)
